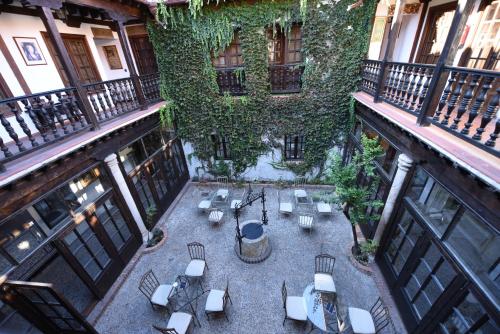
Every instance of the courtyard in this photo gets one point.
(255, 289)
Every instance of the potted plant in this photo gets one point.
(154, 234)
(353, 196)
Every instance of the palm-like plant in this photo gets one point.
(356, 197)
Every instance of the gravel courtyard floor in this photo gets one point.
(255, 289)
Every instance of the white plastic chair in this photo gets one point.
(215, 216)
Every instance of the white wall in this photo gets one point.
(263, 170)
(42, 78)
(45, 77)
(406, 37)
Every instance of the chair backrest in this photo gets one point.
(196, 251)
(283, 294)
(165, 330)
(222, 181)
(380, 315)
(325, 263)
(148, 284)
(299, 181)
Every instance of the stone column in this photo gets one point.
(404, 165)
(112, 162)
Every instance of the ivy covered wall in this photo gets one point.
(334, 43)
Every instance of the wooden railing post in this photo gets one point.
(130, 64)
(54, 35)
(450, 49)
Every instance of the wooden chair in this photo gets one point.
(179, 323)
(295, 307)
(285, 207)
(323, 277)
(157, 294)
(373, 321)
(217, 301)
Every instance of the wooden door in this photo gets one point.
(81, 57)
(143, 54)
(49, 311)
(436, 30)
(56, 59)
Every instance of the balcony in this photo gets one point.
(286, 79)
(468, 102)
(32, 122)
(231, 80)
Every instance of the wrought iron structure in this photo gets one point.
(248, 201)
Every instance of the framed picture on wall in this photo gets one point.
(30, 51)
(112, 57)
(378, 29)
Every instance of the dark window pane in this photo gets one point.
(132, 156)
(465, 315)
(478, 246)
(153, 141)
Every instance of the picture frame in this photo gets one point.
(113, 57)
(378, 29)
(30, 51)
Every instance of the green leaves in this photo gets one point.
(186, 39)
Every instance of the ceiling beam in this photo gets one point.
(113, 8)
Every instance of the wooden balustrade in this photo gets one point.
(232, 80)
(285, 78)
(112, 98)
(468, 104)
(151, 86)
(32, 121)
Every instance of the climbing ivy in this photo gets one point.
(334, 42)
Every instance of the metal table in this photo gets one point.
(321, 310)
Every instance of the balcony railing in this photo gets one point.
(286, 79)
(231, 80)
(33, 121)
(468, 103)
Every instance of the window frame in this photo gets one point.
(294, 147)
(280, 38)
(221, 147)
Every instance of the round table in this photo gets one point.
(321, 309)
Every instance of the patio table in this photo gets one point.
(321, 309)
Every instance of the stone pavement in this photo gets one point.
(255, 289)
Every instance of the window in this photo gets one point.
(285, 49)
(468, 317)
(26, 230)
(221, 147)
(231, 56)
(484, 52)
(294, 147)
(137, 152)
(478, 246)
(435, 202)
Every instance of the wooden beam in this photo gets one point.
(54, 35)
(13, 65)
(130, 64)
(113, 8)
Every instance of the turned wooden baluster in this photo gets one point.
(100, 102)
(452, 102)
(34, 118)
(493, 137)
(47, 108)
(115, 97)
(127, 94)
(56, 110)
(397, 79)
(64, 110)
(123, 96)
(404, 85)
(91, 96)
(491, 111)
(11, 132)
(444, 95)
(416, 92)
(75, 110)
(467, 97)
(20, 120)
(5, 150)
(112, 106)
(388, 83)
(487, 116)
(407, 94)
(423, 93)
(131, 88)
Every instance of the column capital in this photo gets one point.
(111, 160)
(404, 162)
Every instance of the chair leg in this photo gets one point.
(225, 315)
(230, 299)
(206, 314)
